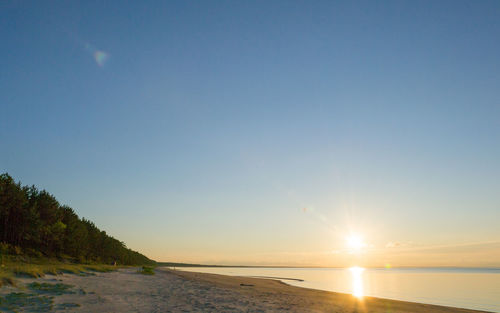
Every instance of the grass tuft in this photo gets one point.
(6, 278)
(101, 268)
(25, 301)
(64, 306)
(53, 289)
(147, 270)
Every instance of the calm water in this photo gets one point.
(466, 288)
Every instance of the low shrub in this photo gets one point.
(147, 270)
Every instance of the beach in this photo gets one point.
(125, 290)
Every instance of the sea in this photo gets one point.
(471, 288)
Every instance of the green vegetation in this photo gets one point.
(147, 270)
(27, 301)
(13, 266)
(55, 289)
(64, 306)
(39, 270)
(40, 299)
(33, 225)
(7, 281)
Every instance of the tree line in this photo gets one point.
(32, 222)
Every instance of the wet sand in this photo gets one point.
(176, 291)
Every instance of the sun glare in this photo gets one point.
(355, 242)
(357, 281)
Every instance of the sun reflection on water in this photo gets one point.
(357, 281)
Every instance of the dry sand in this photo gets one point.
(177, 291)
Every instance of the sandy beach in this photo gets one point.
(126, 290)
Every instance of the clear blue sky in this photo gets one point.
(260, 131)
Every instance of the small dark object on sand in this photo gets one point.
(246, 285)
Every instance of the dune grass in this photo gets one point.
(39, 297)
(147, 270)
(40, 270)
(55, 289)
(12, 267)
(6, 278)
(16, 301)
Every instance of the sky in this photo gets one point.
(263, 132)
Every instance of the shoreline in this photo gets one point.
(320, 300)
(410, 267)
(170, 290)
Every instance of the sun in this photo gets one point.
(355, 242)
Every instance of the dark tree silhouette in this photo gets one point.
(33, 222)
